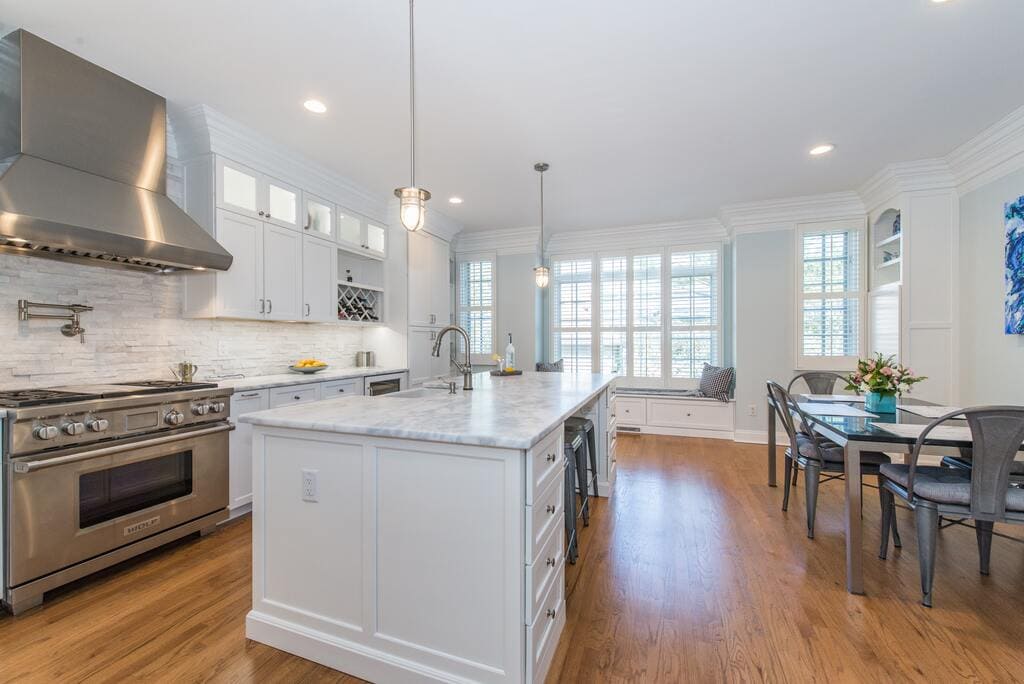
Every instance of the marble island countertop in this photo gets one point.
(509, 412)
(293, 378)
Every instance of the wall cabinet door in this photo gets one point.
(429, 286)
(240, 288)
(350, 230)
(281, 204)
(319, 217)
(240, 446)
(440, 276)
(319, 282)
(238, 188)
(282, 268)
(375, 239)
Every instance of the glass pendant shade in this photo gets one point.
(413, 208)
(542, 276)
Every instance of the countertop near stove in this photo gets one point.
(510, 412)
(286, 379)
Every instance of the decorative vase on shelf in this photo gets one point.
(878, 402)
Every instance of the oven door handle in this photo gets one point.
(116, 449)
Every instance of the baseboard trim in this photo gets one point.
(751, 436)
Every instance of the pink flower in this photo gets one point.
(887, 371)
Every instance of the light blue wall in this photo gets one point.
(991, 362)
(764, 328)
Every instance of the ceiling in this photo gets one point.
(647, 111)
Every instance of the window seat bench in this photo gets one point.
(668, 411)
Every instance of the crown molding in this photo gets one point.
(901, 177)
(990, 155)
(200, 130)
(785, 214)
(646, 235)
(525, 240)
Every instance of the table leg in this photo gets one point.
(854, 555)
(771, 444)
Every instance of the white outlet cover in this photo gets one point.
(309, 485)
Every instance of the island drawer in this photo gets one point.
(542, 635)
(545, 569)
(341, 388)
(542, 517)
(295, 394)
(543, 464)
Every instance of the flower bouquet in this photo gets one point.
(881, 380)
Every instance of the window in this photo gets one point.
(647, 316)
(614, 315)
(695, 318)
(572, 314)
(476, 304)
(831, 299)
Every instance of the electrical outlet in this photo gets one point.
(752, 410)
(309, 488)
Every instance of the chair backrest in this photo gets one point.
(792, 419)
(819, 382)
(553, 367)
(997, 433)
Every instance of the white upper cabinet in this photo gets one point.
(360, 235)
(245, 191)
(429, 281)
(319, 217)
(319, 280)
(239, 290)
(282, 274)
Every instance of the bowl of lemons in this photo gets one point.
(308, 366)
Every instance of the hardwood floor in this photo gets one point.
(690, 573)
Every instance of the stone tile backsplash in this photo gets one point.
(137, 330)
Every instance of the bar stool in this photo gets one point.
(585, 479)
(574, 445)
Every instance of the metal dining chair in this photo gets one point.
(819, 382)
(984, 493)
(816, 455)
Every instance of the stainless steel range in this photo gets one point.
(95, 474)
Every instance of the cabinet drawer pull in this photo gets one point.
(551, 458)
(552, 613)
(263, 306)
(551, 562)
(297, 397)
(550, 509)
(341, 389)
(248, 395)
(270, 306)
(262, 214)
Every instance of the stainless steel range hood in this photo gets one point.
(83, 166)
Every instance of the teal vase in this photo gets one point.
(877, 402)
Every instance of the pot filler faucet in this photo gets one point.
(465, 368)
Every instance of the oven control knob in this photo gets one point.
(74, 428)
(217, 406)
(46, 432)
(200, 410)
(174, 417)
(98, 424)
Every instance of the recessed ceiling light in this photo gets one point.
(454, 200)
(819, 150)
(315, 106)
(939, 2)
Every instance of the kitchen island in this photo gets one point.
(419, 536)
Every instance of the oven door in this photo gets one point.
(67, 507)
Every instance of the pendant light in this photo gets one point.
(412, 200)
(541, 273)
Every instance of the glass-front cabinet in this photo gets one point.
(359, 235)
(319, 217)
(245, 191)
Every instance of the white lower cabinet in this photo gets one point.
(674, 415)
(240, 447)
(294, 394)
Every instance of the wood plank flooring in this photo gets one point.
(690, 573)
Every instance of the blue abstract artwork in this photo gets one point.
(1015, 267)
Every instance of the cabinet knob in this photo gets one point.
(550, 508)
(551, 562)
(552, 613)
(551, 458)
(341, 389)
(296, 397)
(261, 213)
(268, 214)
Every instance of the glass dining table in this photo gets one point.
(857, 434)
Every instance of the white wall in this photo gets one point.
(991, 362)
(137, 331)
(763, 323)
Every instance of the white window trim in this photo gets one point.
(832, 363)
(594, 303)
(627, 380)
(460, 258)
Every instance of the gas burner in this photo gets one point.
(170, 385)
(39, 397)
